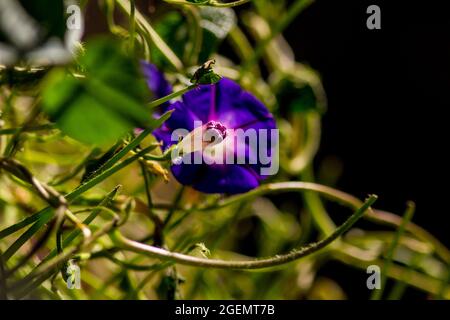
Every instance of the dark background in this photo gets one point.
(388, 95)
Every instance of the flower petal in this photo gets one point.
(216, 178)
(238, 108)
(181, 118)
(198, 100)
(156, 80)
(228, 103)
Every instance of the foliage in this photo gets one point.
(83, 178)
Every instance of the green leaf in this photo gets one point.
(106, 103)
(208, 77)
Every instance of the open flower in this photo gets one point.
(238, 127)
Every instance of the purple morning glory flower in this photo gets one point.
(156, 81)
(222, 108)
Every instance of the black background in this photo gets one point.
(283, 309)
(388, 95)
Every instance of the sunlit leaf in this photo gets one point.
(104, 105)
(216, 23)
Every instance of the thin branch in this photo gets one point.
(211, 3)
(377, 294)
(48, 126)
(46, 215)
(157, 222)
(378, 216)
(160, 101)
(83, 187)
(3, 287)
(145, 27)
(292, 12)
(15, 141)
(176, 202)
(215, 3)
(407, 275)
(46, 269)
(162, 254)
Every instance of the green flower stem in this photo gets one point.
(243, 48)
(291, 186)
(46, 214)
(132, 266)
(304, 155)
(99, 292)
(149, 277)
(158, 238)
(196, 35)
(3, 287)
(211, 3)
(389, 219)
(396, 272)
(143, 26)
(109, 6)
(301, 162)
(75, 233)
(215, 3)
(40, 242)
(78, 224)
(444, 287)
(80, 189)
(377, 216)
(62, 179)
(316, 207)
(46, 269)
(160, 101)
(162, 254)
(290, 15)
(398, 290)
(377, 294)
(176, 202)
(221, 233)
(132, 24)
(15, 141)
(48, 126)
